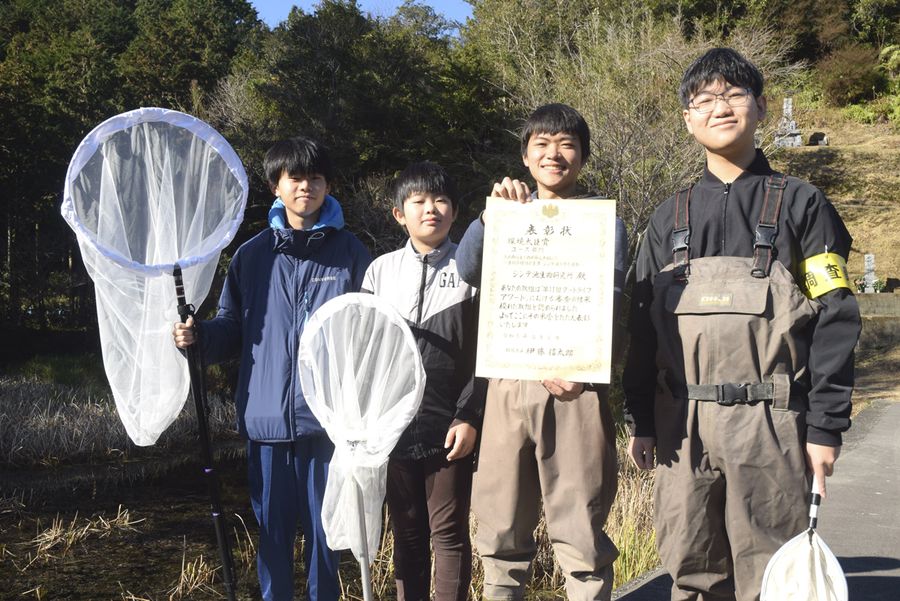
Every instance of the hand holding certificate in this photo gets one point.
(547, 290)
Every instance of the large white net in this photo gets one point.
(362, 376)
(145, 190)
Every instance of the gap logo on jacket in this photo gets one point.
(442, 312)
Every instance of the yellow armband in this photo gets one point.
(823, 273)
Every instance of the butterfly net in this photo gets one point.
(145, 190)
(804, 569)
(362, 376)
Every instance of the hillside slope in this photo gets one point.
(859, 171)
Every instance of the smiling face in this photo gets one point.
(303, 196)
(726, 131)
(554, 161)
(427, 218)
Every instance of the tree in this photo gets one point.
(380, 92)
(62, 72)
(182, 46)
(621, 69)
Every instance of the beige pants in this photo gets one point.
(537, 449)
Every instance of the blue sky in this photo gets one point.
(274, 12)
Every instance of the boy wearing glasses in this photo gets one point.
(743, 326)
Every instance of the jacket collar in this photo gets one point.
(330, 215)
(759, 167)
(299, 243)
(303, 243)
(435, 256)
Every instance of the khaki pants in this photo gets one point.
(537, 449)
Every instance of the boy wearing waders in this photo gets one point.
(743, 326)
(429, 480)
(275, 281)
(549, 443)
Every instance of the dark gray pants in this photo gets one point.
(429, 502)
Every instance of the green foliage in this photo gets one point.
(876, 21)
(887, 108)
(851, 74)
(65, 66)
(860, 113)
(380, 92)
(889, 58)
(180, 42)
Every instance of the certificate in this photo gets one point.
(547, 290)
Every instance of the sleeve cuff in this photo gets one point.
(462, 420)
(827, 438)
(640, 430)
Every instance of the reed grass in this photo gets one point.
(45, 424)
(197, 576)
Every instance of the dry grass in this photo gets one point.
(859, 171)
(60, 425)
(244, 548)
(46, 424)
(630, 525)
(197, 576)
(60, 538)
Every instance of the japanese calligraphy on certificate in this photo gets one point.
(547, 290)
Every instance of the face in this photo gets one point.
(427, 218)
(726, 130)
(554, 161)
(302, 196)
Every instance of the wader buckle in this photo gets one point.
(765, 235)
(731, 394)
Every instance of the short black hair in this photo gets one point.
(717, 64)
(297, 156)
(557, 118)
(424, 178)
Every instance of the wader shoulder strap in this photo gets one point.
(767, 228)
(681, 231)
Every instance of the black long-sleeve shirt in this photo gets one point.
(723, 219)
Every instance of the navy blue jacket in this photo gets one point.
(276, 280)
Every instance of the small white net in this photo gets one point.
(362, 376)
(145, 190)
(804, 569)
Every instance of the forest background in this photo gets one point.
(380, 92)
(384, 91)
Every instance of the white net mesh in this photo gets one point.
(145, 190)
(363, 378)
(804, 569)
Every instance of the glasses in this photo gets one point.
(704, 102)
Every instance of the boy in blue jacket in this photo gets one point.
(275, 281)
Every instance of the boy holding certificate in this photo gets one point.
(549, 442)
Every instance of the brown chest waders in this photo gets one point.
(730, 410)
